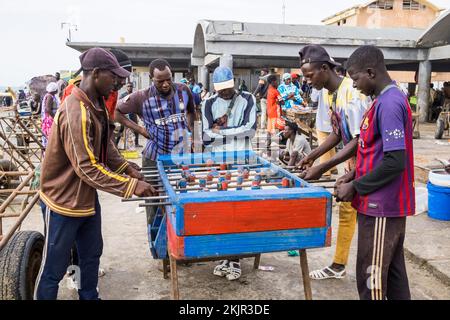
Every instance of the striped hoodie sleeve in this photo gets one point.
(115, 160)
(77, 133)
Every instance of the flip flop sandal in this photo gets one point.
(234, 271)
(326, 273)
(222, 269)
(293, 253)
(101, 272)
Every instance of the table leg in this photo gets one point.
(165, 268)
(256, 262)
(305, 274)
(174, 278)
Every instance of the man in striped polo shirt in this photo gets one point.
(382, 185)
(168, 112)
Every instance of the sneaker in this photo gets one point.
(234, 271)
(221, 270)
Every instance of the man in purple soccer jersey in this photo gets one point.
(382, 185)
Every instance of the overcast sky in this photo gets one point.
(33, 43)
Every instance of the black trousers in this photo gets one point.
(380, 264)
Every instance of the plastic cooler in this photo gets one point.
(438, 202)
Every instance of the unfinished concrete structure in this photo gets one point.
(248, 47)
(141, 54)
(256, 45)
(387, 14)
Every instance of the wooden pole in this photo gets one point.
(174, 278)
(305, 274)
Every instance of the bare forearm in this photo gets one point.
(293, 159)
(346, 153)
(120, 118)
(331, 142)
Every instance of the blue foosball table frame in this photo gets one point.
(192, 225)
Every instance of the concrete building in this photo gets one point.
(387, 14)
(248, 47)
(178, 55)
(418, 14)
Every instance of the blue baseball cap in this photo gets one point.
(223, 78)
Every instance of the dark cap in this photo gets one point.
(122, 58)
(315, 53)
(102, 59)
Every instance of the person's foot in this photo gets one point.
(332, 272)
(101, 272)
(221, 270)
(234, 271)
(72, 283)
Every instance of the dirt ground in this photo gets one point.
(132, 273)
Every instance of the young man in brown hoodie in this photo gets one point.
(80, 158)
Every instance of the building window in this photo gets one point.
(344, 22)
(339, 23)
(411, 5)
(382, 4)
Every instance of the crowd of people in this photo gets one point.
(361, 108)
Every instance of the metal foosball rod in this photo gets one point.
(232, 186)
(200, 168)
(155, 198)
(173, 182)
(233, 174)
(155, 204)
(208, 170)
(219, 171)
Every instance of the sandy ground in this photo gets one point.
(132, 273)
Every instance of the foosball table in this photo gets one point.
(220, 206)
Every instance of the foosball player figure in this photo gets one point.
(190, 177)
(224, 185)
(209, 162)
(228, 176)
(239, 181)
(246, 173)
(256, 183)
(219, 183)
(214, 172)
(185, 173)
(182, 184)
(202, 183)
(223, 166)
(286, 182)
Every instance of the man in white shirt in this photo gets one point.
(228, 117)
(297, 147)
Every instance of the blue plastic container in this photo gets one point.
(438, 202)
